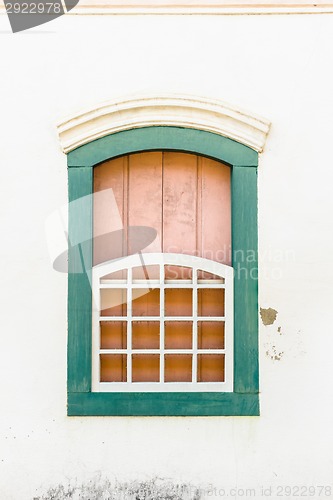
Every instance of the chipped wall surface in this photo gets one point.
(274, 66)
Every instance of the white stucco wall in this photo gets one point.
(275, 66)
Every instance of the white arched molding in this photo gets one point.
(178, 111)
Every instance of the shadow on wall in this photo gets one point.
(98, 489)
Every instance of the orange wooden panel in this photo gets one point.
(211, 302)
(113, 367)
(113, 334)
(145, 335)
(178, 335)
(145, 302)
(210, 334)
(145, 368)
(178, 302)
(178, 368)
(210, 367)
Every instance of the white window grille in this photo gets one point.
(199, 304)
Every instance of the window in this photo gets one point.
(237, 398)
(162, 281)
(176, 336)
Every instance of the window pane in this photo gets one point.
(146, 302)
(178, 302)
(117, 275)
(113, 334)
(178, 368)
(113, 367)
(145, 335)
(210, 334)
(113, 302)
(205, 275)
(178, 334)
(211, 302)
(145, 368)
(210, 367)
(146, 273)
(178, 273)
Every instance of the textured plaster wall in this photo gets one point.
(276, 66)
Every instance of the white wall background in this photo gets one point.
(276, 66)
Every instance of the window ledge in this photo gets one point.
(163, 404)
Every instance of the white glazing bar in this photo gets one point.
(160, 318)
(195, 325)
(229, 337)
(166, 351)
(96, 339)
(211, 318)
(109, 283)
(152, 284)
(129, 325)
(162, 331)
(212, 285)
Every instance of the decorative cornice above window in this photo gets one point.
(168, 110)
(197, 7)
(233, 7)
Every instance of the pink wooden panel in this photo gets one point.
(184, 197)
(145, 201)
(179, 203)
(215, 211)
(111, 175)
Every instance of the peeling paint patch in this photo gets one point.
(268, 316)
(103, 489)
(274, 354)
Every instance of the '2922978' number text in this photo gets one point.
(34, 8)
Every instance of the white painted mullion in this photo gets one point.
(213, 285)
(211, 318)
(96, 335)
(194, 325)
(129, 325)
(165, 318)
(166, 351)
(162, 324)
(229, 328)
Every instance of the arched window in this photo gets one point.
(200, 334)
(163, 308)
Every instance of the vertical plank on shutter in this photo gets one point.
(108, 175)
(145, 194)
(145, 209)
(179, 204)
(215, 227)
(216, 211)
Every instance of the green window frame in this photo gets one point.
(244, 400)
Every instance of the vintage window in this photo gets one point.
(172, 331)
(162, 319)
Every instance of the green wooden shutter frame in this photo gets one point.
(243, 161)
